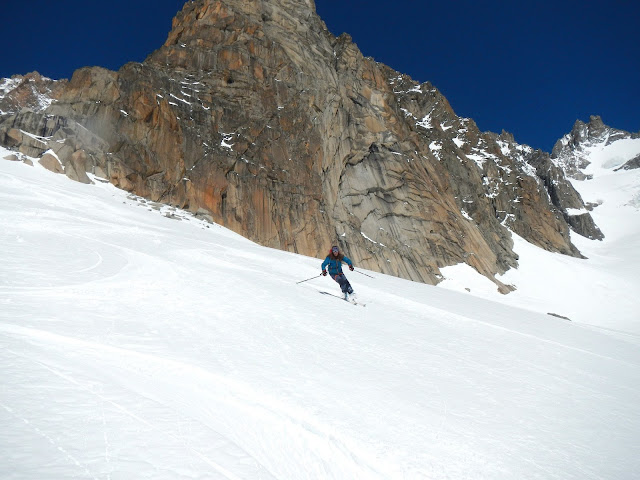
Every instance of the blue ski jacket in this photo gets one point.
(335, 264)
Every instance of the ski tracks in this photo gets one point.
(245, 422)
(67, 455)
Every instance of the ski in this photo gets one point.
(350, 300)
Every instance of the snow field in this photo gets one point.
(138, 346)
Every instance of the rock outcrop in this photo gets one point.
(631, 164)
(31, 91)
(253, 114)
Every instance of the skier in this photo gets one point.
(334, 262)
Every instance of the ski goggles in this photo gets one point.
(335, 249)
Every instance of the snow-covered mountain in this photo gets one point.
(140, 342)
(254, 115)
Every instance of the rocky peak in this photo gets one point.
(572, 152)
(218, 36)
(593, 131)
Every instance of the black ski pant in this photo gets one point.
(345, 286)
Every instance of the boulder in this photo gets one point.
(50, 162)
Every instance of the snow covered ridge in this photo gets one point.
(594, 148)
(135, 346)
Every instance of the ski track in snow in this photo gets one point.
(134, 367)
(218, 398)
(137, 346)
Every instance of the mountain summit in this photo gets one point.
(253, 115)
(574, 151)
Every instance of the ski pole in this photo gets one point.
(301, 281)
(364, 274)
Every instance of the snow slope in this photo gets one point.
(138, 342)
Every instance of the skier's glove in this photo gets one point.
(324, 272)
(351, 267)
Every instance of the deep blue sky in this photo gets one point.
(531, 68)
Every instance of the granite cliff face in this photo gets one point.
(254, 115)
